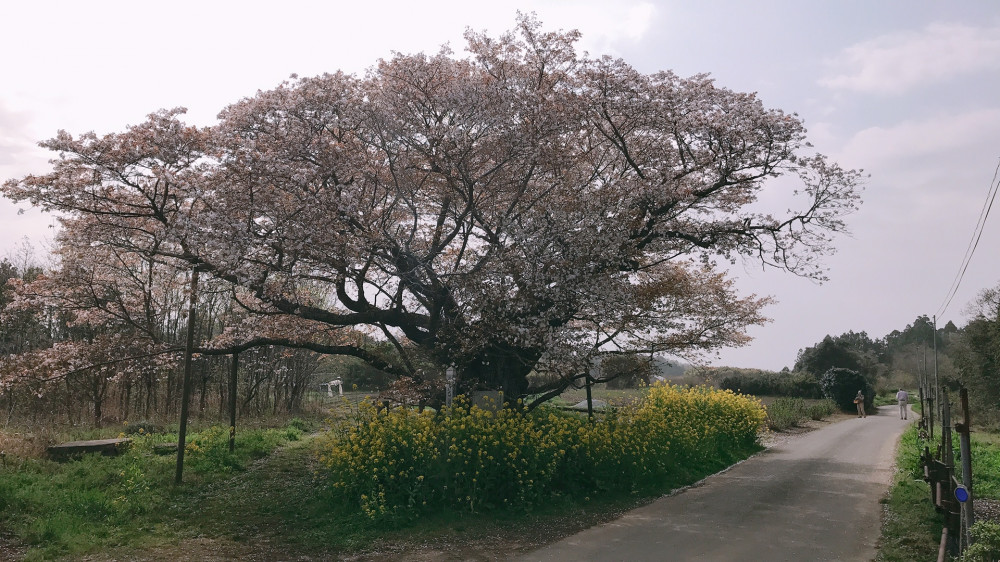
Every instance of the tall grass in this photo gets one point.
(402, 463)
(785, 413)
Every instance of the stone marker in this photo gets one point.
(582, 405)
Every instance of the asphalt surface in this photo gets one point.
(814, 496)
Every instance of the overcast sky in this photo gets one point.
(905, 89)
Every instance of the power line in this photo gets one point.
(977, 234)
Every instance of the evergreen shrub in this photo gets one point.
(842, 385)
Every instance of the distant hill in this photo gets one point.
(670, 368)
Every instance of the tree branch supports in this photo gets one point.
(186, 393)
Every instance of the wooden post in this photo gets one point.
(186, 392)
(947, 453)
(233, 369)
(950, 504)
(920, 393)
(590, 400)
(930, 424)
(943, 545)
(922, 424)
(935, 396)
(964, 429)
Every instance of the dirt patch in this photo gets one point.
(486, 545)
(202, 549)
(499, 543)
(10, 547)
(987, 510)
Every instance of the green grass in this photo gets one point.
(270, 498)
(912, 528)
(985, 542)
(888, 399)
(281, 503)
(985, 465)
(574, 396)
(94, 502)
(122, 507)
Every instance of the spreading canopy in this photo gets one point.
(523, 208)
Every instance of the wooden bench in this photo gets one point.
(107, 447)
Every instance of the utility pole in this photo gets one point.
(923, 371)
(937, 389)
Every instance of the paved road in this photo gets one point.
(812, 497)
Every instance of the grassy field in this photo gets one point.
(268, 500)
(96, 502)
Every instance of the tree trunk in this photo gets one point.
(504, 369)
(168, 403)
(150, 387)
(98, 390)
(98, 413)
(126, 406)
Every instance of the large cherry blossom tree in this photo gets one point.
(523, 208)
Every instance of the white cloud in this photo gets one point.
(632, 23)
(928, 141)
(15, 139)
(926, 173)
(896, 62)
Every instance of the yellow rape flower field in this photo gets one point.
(399, 464)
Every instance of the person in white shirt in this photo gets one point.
(902, 397)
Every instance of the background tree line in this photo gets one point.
(108, 385)
(966, 356)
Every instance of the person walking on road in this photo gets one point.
(860, 401)
(902, 397)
